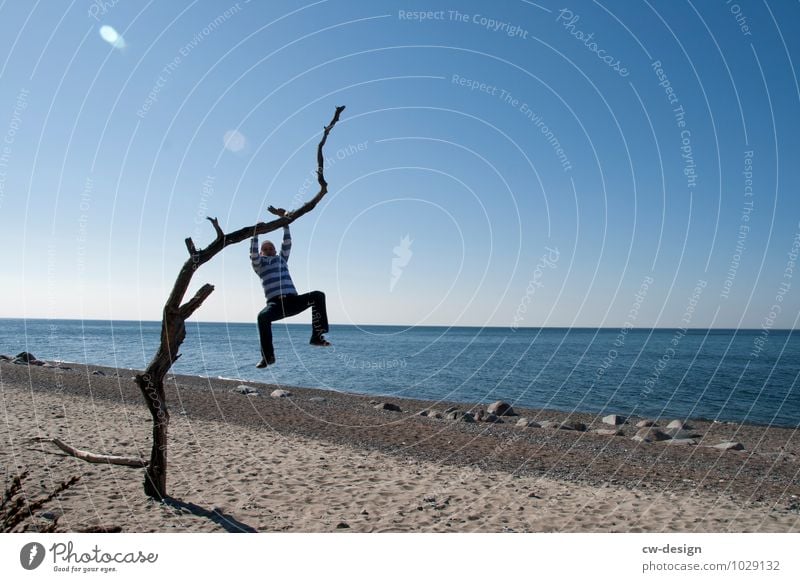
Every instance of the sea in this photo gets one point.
(716, 374)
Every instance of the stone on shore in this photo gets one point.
(500, 408)
(246, 390)
(682, 434)
(729, 446)
(608, 432)
(26, 359)
(678, 425)
(280, 393)
(614, 419)
(460, 415)
(646, 423)
(572, 425)
(549, 424)
(388, 406)
(650, 434)
(528, 423)
(317, 399)
(682, 441)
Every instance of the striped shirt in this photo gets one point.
(274, 271)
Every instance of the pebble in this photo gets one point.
(572, 425)
(614, 419)
(678, 425)
(500, 408)
(682, 434)
(280, 393)
(681, 441)
(729, 446)
(609, 432)
(650, 434)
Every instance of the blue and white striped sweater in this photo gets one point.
(274, 271)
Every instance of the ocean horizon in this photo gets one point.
(735, 375)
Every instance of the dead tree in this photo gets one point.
(175, 314)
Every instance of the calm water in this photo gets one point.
(703, 373)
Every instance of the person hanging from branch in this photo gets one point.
(282, 298)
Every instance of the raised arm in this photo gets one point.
(255, 257)
(286, 247)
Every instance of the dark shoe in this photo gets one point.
(266, 362)
(318, 340)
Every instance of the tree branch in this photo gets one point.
(188, 308)
(215, 222)
(95, 458)
(190, 247)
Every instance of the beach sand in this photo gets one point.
(301, 464)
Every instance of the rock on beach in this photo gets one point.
(500, 408)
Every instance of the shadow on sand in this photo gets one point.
(229, 523)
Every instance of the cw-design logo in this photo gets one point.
(31, 555)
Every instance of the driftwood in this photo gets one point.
(175, 314)
(95, 458)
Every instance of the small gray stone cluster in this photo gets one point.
(676, 432)
(28, 359)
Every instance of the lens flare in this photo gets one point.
(234, 141)
(112, 37)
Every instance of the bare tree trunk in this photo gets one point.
(175, 314)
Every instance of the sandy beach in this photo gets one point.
(321, 461)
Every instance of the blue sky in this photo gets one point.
(529, 152)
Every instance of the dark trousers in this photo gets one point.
(287, 306)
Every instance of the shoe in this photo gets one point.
(318, 340)
(266, 362)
